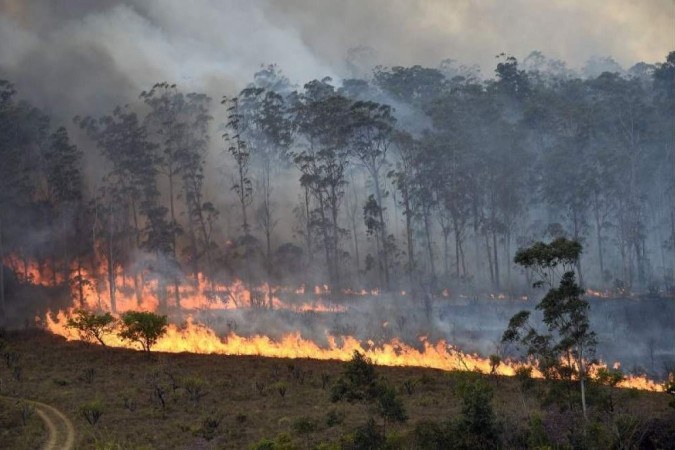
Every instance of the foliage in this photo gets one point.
(144, 328)
(92, 326)
(358, 381)
(389, 406)
(569, 341)
(92, 411)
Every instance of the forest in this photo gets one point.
(415, 180)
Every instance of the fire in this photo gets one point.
(598, 294)
(194, 337)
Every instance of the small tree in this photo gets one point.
(477, 427)
(358, 381)
(92, 326)
(563, 350)
(143, 327)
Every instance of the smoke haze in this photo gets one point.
(83, 57)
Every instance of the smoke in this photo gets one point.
(83, 57)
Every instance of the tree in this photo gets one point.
(371, 127)
(142, 327)
(238, 148)
(320, 115)
(92, 326)
(569, 341)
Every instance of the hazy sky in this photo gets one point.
(75, 56)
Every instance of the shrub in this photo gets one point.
(281, 388)
(209, 426)
(368, 437)
(129, 403)
(334, 417)
(524, 376)
(429, 435)
(283, 441)
(26, 410)
(144, 328)
(409, 386)
(92, 326)
(477, 426)
(358, 381)
(390, 407)
(261, 387)
(195, 388)
(304, 426)
(88, 375)
(92, 412)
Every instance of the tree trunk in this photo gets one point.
(3, 318)
(496, 259)
(598, 237)
(427, 231)
(383, 230)
(111, 265)
(582, 380)
(409, 238)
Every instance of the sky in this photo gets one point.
(84, 56)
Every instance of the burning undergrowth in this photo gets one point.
(301, 322)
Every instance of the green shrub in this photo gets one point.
(92, 326)
(390, 407)
(357, 382)
(92, 412)
(142, 327)
(368, 436)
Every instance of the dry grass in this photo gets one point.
(243, 391)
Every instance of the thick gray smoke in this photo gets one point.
(82, 57)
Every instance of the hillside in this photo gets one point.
(241, 396)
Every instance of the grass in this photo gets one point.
(20, 426)
(210, 401)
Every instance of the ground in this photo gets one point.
(242, 395)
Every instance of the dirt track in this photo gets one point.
(60, 430)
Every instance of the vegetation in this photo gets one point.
(446, 410)
(144, 328)
(476, 167)
(562, 352)
(92, 326)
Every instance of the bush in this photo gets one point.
(92, 326)
(283, 441)
(429, 435)
(209, 426)
(92, 412)
(368, 437)
(409, 386)
(357, 382)
(144, 328)
(26, 410)
(281, 388)
(304, 426)
(195, 388)
(390, 407)
(524, 376)
(477, 426)
(334, 417)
